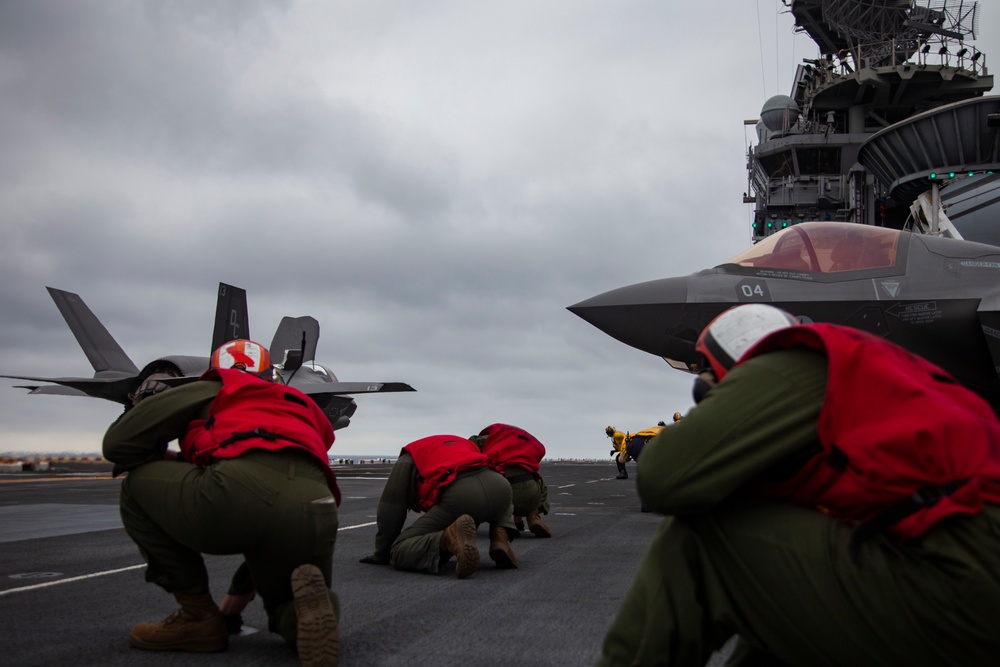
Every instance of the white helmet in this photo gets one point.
(730, 335)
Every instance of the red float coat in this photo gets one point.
(251, 413)
(439, 459)
(510, 445)
(891, 424)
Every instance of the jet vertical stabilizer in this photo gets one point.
(102, 350)
(116, 377)
(232, 318)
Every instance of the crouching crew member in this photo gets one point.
(517, 455)
(449, 480)
(832, 499)
(618, 442)
(252, 478)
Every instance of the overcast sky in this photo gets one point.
(434, 181)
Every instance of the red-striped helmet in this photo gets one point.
(730, 335)
(245, 355)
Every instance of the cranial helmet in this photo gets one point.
(730, 335)
(610, 431)
(244, 355)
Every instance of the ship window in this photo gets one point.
(778, 165)
(824, 247)
(824, 160)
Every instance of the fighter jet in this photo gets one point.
(939, 297)
(116, 378)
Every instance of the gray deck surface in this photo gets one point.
(71, 582)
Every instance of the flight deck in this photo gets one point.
(71, 581)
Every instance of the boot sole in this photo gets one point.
(318, 639)
(468, 553)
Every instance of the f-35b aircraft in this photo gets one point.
(938, 297)
(116, 378)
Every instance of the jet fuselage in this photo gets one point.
(937, 297)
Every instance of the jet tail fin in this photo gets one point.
(288, 336)
(102, 350)
(232, 318)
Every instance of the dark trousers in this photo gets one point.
(274, 508)
(780, 577)
(529, 494)
(482, 493)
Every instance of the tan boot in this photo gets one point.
(537, 526)
(198, 626)
(500, 550)
(318, 637)
(459, 540)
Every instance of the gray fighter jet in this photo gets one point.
(116, 378)
(938, 297)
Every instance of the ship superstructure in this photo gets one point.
(892, 107)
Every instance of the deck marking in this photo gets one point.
(121, 569)
(66, 581)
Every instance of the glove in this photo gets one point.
(613, 452)
(151, 385)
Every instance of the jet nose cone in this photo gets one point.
(651, 316)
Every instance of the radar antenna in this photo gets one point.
(867, 21)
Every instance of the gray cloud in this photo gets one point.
(434, 182)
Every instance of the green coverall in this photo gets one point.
(275, 508)
(529, 494)
(778, 575)
(482, 493)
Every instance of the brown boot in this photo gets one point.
(318, 637)
(500, 550)
(459, 540)
(198, 626)
(537, 526)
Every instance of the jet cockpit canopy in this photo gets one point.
(823, 247)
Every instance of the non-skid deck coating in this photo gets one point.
(71, 582)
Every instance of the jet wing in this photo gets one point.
(109, 388)
(55, 389)
(315, 388)
(342, 388)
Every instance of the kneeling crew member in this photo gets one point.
(832, 499)
(517, 455)
(255, 480)
(449, 480)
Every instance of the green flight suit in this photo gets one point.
(482, 493)
(777, 575)
(529, 494)
(275, 508)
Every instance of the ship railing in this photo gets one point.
(935, 52)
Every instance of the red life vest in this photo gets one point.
(251, 413)
(439, 459)
(509, 445)
(894, 430)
